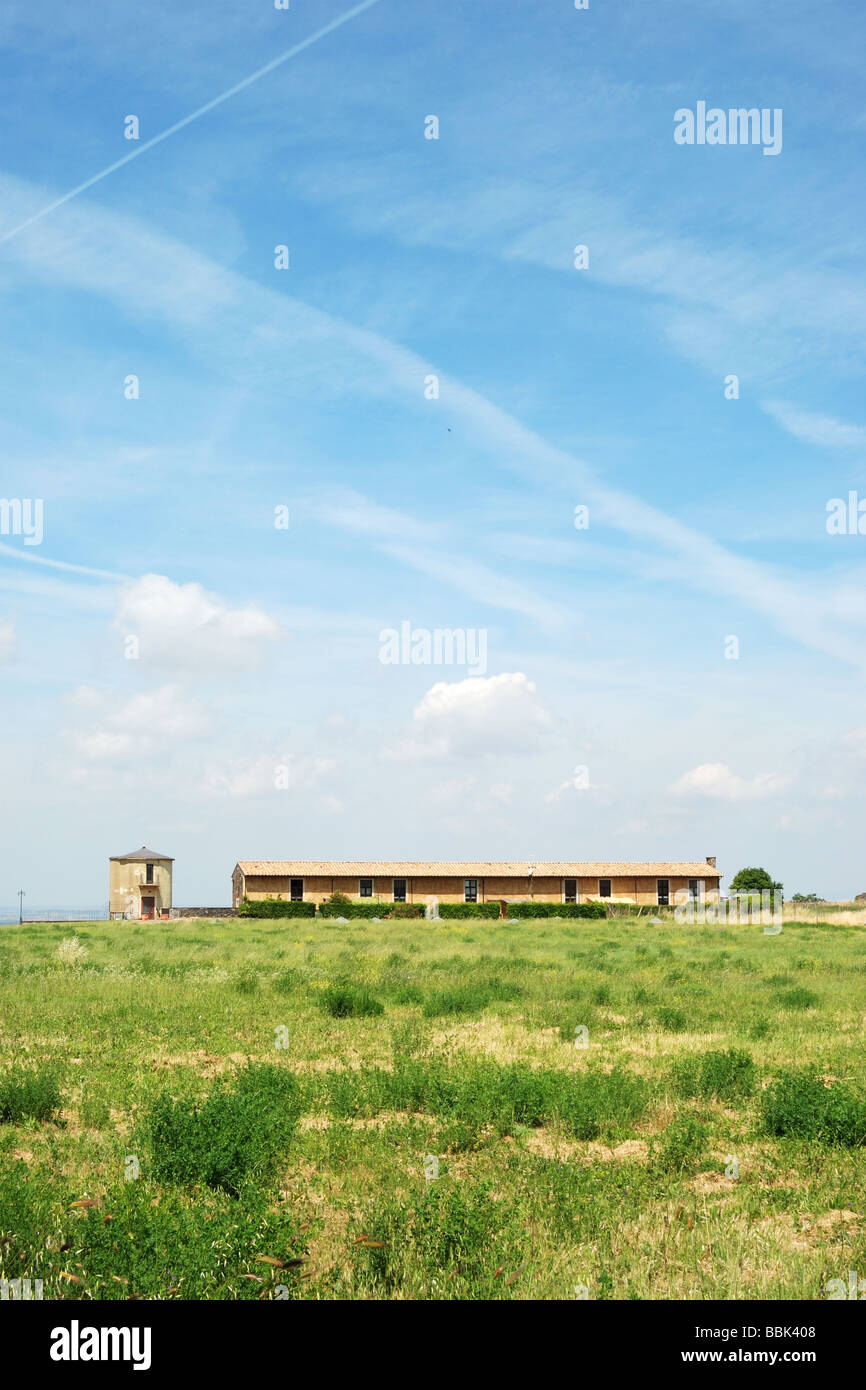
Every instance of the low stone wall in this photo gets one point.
(175, 912)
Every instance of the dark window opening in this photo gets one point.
(571, 890)
(399, 890)
(694, 887)
(149, 874)
(664, 892)
(604, 888)
(297, 890)
(470, 890)
(365, 888)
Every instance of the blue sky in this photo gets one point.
(259, 388)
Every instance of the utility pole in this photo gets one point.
(20, 906)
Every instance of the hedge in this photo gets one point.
(488, 910)
(570, 910)
(364, 909)
(274, 907)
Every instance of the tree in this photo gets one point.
(806, 898)
(754, 881)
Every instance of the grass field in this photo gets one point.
(459, 1110)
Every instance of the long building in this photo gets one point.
(416, 881)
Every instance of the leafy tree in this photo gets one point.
(806, 898)
(753, 881)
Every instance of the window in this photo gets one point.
(399, 890)
(365, 888)
(696, 888)
(663, 895)
(148, 878)
(297, 890)
(604, 887)
(569, 892)
(470, 890)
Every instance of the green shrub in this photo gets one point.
(238, 1132)
(801, 1105)
(683, 1143)
(182, 1250)
(275, 907)
(287, 981)
(466, 999)
(716, 1075)
(409, 994)
(799, 998)
(144, 1242)
(760, 1028)
(403, 911)
(504, 990)
(29, 1093)
(588, 1103)
(446, 1242)
(472, 1095)
(350, 1001)
(672, 1020)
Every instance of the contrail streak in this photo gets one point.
(193, 116)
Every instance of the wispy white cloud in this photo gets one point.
(7, 640)
(138, 726)
(266, 775)
(438, 550)
(823, 430)
(716, 782)
(282, 343)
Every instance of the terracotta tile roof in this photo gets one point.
(422, 868)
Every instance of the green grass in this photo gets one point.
(251, 1109)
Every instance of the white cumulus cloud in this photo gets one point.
(477, 716)
(185, 627)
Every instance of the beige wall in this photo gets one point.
(642, 891)
(126, 886)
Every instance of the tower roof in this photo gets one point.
(143, 853)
